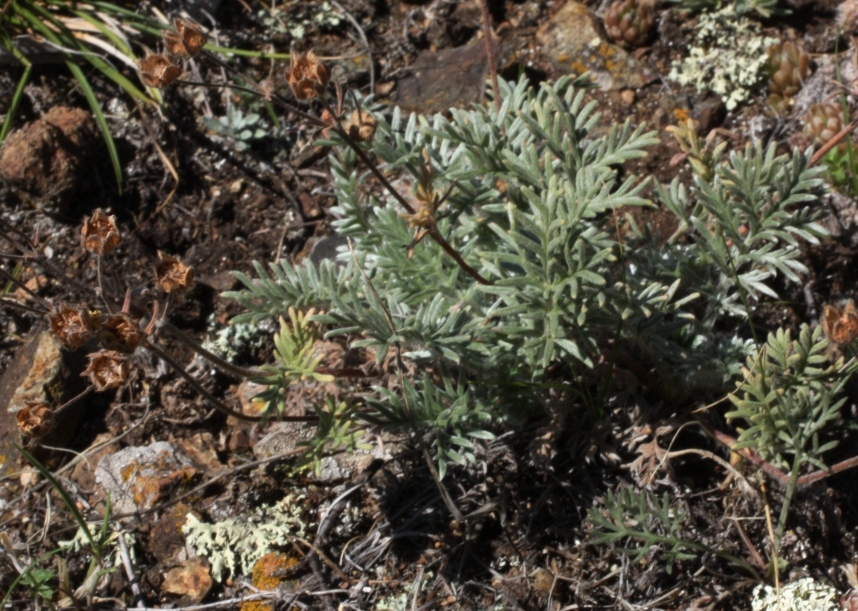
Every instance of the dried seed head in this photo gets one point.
(36, 419)
(361, 126)
(107, 369)
(307, 76)
(188, 39)
(840, 326)
(172, 274)
(99, 234)
(120, 332)
(158, 71)
(329, 121)
(847, 16)
(266, 89)
(73, 327)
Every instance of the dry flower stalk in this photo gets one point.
(172, 275)
(158, 71)
(35, 419)
(188, 39)
(99, 233)
(307, 76)
(840, 326)
(107, 369)
(120, 332)
(72, 327)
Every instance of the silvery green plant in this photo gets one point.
(528, 195)
(654, 525)
(242, 128)
(788, 398)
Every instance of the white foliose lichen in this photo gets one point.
(728, 58)
(233, 546)
(800, 595)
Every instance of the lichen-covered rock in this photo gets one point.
(728, 57)
(139, 477)
(629, 23)
(822, 123)
(788, 66)
(48, 158)
(572, 43)
(233, 546)
(800, 595)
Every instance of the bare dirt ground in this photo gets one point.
(221, 202)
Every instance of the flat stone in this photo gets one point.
(287, 436)
(139, 477)
(191, 580)
(573, 43)
(438, 81)
(40, 371)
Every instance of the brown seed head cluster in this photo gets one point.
(307, 76)
(120, 332)
(172, 275)
(361, 126)
(840, 326)
(35, 419)
(99, 234)
(188, 39)
(158, 71)
(107, 369)
(71, 326)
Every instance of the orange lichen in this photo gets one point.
(128, 471)
(263, 576)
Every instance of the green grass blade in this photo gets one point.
(67, 500)
(100, 118)
(16, 101)
(66, 39)
(88, 93)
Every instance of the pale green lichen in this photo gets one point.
(233, 546)
(728, 58)
(297, 19)
(235, 342)
(800, 595)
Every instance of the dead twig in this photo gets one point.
(490, 51)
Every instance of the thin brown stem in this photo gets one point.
(443, 243)
(21, 306)
(258, 92)
(101, 291)
(776, 474)
(835, 140)
(73, 400)
(490, 51)
(225, 366)
(216, 403)
(433, 233)
(11, 278)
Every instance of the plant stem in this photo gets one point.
(223, 365)
(798, 460)
(101, 291)
(490, 51)
(433, 231)
(216, 403)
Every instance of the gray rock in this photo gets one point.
(573, 43)
(286, 437)
(139, 477)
